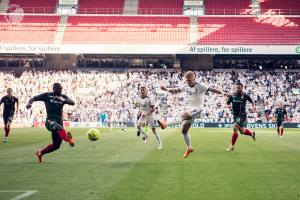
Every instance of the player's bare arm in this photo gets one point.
(216, 91)
(29, 104)
(170, 90)
(253, 108)
(65, 100)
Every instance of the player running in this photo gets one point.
(146, 110)
(123, 116)
(195, 92)
(237, 104)
(9, 102)
(280, 116)
(54, 102)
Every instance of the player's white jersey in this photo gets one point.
(124, 114)
(145, 105)
(195, 95)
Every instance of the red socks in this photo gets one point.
(234, 138)
(63, 134)
(6, 130)
(47, 149)
(247, 132)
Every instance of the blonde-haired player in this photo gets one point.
(146, 111)
(195, 92)
(9, 102)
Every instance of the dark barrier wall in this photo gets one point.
(247, 125)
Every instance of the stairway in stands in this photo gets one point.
(255, 7)
(131, 7)
(4, 6)
(193, 29)
(61, 29)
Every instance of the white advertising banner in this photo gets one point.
(148, 49)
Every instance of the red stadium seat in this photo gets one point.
(100, 6)
(166, 7)
(33, 6)
(127, 30)
(270, 30)
(291, 7)
(228, 7)
(30, 29)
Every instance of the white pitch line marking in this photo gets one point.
(26, 193)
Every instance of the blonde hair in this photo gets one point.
(9, 90)
(189, 74)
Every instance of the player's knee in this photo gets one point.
(56, 146)
(186, 116)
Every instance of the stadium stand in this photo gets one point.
(33, 6)
(249, 30)
(110, 89)
(101, 6)
(287, 7)
(28, 28)
(166, 7)
(228, 7)
(127, 29)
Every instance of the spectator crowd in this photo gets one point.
(102, 93)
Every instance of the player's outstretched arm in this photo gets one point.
(29, 104)
(253, 109)
(69, 101)
(171, 90)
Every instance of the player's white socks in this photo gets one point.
(187, 139)
(157, 135)
(142, 131)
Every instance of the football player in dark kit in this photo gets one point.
(54, 102)
(9, 102)
(280, 116)
(237, 103)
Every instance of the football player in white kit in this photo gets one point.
(146, 113)
(195, 98)
(123, 116)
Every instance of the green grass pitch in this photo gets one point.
(121, 166)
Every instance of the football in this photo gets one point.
(93, 134)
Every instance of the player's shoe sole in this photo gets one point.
(162, 123)
(230, 149)
(254, 136)
(70, 139)
(39, 156)
(187, 152)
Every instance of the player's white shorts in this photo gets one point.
(147, 120)
(194, 112)
(123, 120)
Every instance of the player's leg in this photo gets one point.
(56, 142)
(186, 125)
(248, 132)
(63, 134)
(140, 129)
(151, 123)
(241, 121)
(234, 137)
(6, 128)
(192, 115)
(124, 126)
(157, 136)
(281, 130)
